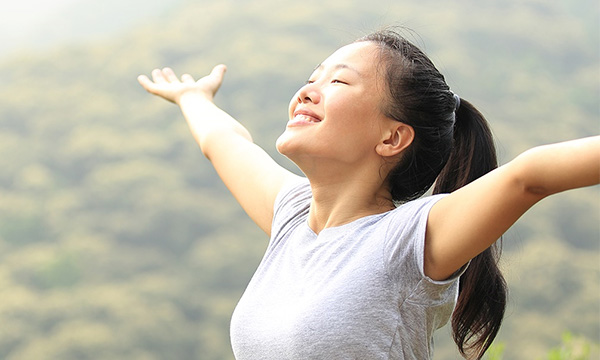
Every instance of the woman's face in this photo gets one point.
(336, 116)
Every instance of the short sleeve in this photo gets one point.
(291, 205)
(405, 249)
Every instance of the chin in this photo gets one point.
(284, 143)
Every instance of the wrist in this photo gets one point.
(193, 97)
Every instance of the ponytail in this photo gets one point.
(482, 289)
(452, 146)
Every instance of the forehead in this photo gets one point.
(360, 56)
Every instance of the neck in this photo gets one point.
(337, 202)
(345, 191)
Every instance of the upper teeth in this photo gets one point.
(306, 117)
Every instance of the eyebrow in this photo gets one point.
(340, 66)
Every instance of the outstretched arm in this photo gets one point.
(251, 175)
(469, 220)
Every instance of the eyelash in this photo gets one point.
(334, 81)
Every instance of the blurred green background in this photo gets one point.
(117, 240)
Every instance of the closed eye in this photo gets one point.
(334, 81)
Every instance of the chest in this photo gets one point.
(333, 265)
(318, 292)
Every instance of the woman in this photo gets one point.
(359, 265)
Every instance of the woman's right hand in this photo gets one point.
(246, 169)
(165, 84)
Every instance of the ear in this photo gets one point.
(395, 139)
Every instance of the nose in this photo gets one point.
(308, 93)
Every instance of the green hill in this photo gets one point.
(117, 240)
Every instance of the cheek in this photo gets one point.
(359, 127)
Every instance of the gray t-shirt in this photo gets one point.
(355, 291)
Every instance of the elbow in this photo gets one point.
(551, 169)
(528, 175)
(537, 191)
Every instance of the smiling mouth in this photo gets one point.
(305, 118)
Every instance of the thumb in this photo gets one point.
(215, 78)
(219, 72)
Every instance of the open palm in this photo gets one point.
(167, 85)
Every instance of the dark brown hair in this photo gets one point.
(451, 148)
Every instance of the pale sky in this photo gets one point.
(18, 19)
(31, 24)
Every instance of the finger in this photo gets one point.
(146, 83)
(158, 76)
(219, 71)
(187, 78)
(216, 76)
(143, 79)
(169, 74)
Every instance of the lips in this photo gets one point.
(305, 116)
